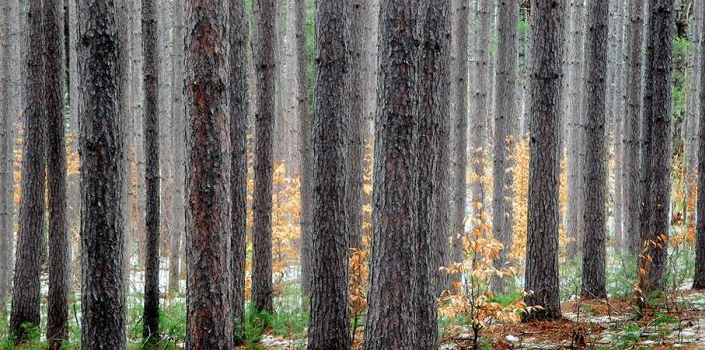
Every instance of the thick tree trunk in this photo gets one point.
(329, 322)
(57, 298)
(26, 293)
(102, 72)
(210, 318)
(505, 124)
(391, 312)
(656, 153)
(239, 109)
(542, 240)
(699, 280)
(305, 151)
(632, 126)
(262, 292)
(434, 116)
(595, 170)
(150, 76)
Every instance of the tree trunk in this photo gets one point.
(699, 280)
(656, 153)
(239, 109)
(575, 62)
(57, 299)
(305, 151)
(264, 127)
(210, 318)
(505, 124)
(595, 170)
(329, 325)
(460, 128)
(150, 75)
(542, 240)
(693, 109)
(178, 107)
(618, 111)
(391, 312)
(632, 126)
(6, 157)
(26, 293)
(102, 72)
(434, 116)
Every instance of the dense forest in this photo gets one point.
(352, 174)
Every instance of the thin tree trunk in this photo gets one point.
(542, 240)
(619, 110)
(6, 156)
(693, 109)
(699, 280)
(262, 292)
(391, 312)
(26, 291)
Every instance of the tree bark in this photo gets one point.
(210, 318)
(6, 160)
(26, 291)
(696, 27)
(595, 171)
(239, 109)
(150, 75)
(618, 98)
(102, 71)
(505, 125)
(262, 292)
(57, 298)
(542, 241)
(632, 126)
(391, 312)
(699, 280)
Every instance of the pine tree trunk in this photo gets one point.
(239, 109)
(505, 124)
(632, 126)
(26, 291)
(595, 170)
(102, 73)
(209, 283)
(618, 96)
(150, 75)
(542, 241)
(696, 27)
(6, 156)
(264, 127)
(699, 280)
(391, 312)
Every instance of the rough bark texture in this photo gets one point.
(434, 115)
(305, 150)
(264, 127)
(356, 145)
(57, 298)
(595, 170)
(696, 30)
(542, 240)
(618, 97)
(239, 108)
(632, 126)
(656, 151)
(460, 125)
(150, 75)
(391, 312)
(699, 280)
(101, 46)
(329, 322)
(178, 148)
(210, 318)
(575, 109)
(25, 296)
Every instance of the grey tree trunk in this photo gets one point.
(102, 38)
(262, 292)
(618, 97)
(57, 298)
(656, 151)
(595, 170)
(329, 321)
(434, 116)
(165, 24)
(699, 280)
(209, 283)
(239, 109)
(6, 159)
(691, 156)
(391, 312)
(576, 81)
(26, 291)
(505, 125)
(542, 241)
(150, 75)
(632, 126)
(305, 150)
